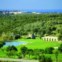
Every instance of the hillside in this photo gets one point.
(41, 24)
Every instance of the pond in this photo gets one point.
(15, 43)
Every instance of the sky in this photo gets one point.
(30, 4)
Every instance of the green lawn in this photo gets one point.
(36, 44)
(39, 43)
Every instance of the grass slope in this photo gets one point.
(39, 43)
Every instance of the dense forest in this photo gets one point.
(40, 24)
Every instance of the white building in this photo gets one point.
(11, 12)
(50, 38)
(15, 12)
(29, 35)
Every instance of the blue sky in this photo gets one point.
(30, 4)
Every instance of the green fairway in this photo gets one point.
(35, 44)
(39, 43)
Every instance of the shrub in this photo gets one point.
(24, 51)
(11, 51)
(2, 44)
(60, 48)
(33, 36)
(17, 36)
(49, 50)
(44, 59)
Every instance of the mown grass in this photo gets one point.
(39, 43)
(36, 44)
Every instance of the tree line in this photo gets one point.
(40, 24)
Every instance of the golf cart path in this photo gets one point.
(17, 60)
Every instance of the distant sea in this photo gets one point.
(44, 11)
(40, 11)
